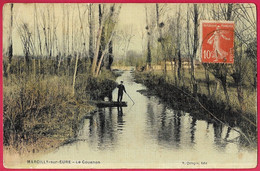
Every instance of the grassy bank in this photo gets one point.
(202, 107)
(40, 113)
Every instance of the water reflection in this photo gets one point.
(166, 123)
(151, 132)
(222, 136)
(192, 130)
(104, 127)
(120, 120)
(171, 129)
(228, 133)
(176, 129)
(101, 129)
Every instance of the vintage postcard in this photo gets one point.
(131, 85)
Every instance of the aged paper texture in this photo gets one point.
(129, 85)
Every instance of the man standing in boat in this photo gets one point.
(121, 90)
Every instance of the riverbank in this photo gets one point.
(164, 133)
(41, 113)
(201, 107)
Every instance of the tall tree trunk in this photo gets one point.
(175, 69)
(104, 45)
(207, 79)
(179, 46)
(34, 43)
(53, 31)
(75, 74)
(159, 26)
(148, 57)
(10, 48)
(39, 39)
(240, 94)
(45, 34)
(188, 41)
(110, 55)
(49, 34)
(224, 85)
(229, 11)
(95, 59)
(98, 44)
(237, 76)
(63, 34)
(91, 33)
(102, 39)
(179, 66)
(68, 35)
(195, 46)
(100, 63)
(103, 54)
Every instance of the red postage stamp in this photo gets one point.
(217, 41)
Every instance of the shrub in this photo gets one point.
(31, 103)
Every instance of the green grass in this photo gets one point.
(40, 113)
(203, 106)
(250, 94)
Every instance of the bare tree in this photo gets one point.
(91, 33)
(95, 59)
(109, 27)
(10, 47)
(179, 45)
(148, 29)
(27, 42)
(195, 47)
(40, 53)
(110, 55)
(160, 25)
(76, 55)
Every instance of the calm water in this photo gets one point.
(150, 134)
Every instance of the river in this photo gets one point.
(149, 134)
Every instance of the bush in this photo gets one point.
(41, 112)
(36, 108)
(95, 88)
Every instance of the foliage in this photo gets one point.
(42, 106)
(95, 88)
(180, 98)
